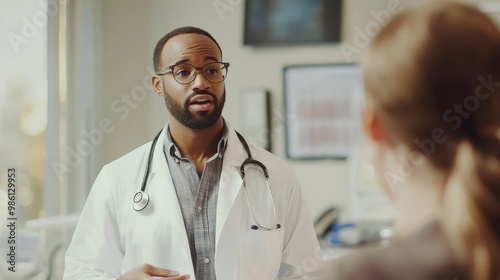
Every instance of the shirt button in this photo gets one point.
(176, 160)
(206, 260)
(188, 167)
(200, 208)
(220, 155)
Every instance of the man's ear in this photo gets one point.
(157, 85)
(372, 126)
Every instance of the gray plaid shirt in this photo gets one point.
(198, 200)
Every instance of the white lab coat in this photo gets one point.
(112, 238)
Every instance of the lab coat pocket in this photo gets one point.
(260, 254)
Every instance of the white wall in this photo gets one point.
(130, 31)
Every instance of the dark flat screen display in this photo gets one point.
(279, 22)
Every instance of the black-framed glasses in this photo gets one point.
(185, 73)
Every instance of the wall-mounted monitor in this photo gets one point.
(287, 22)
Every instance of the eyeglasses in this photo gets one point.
(185, 73)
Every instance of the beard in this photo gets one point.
(204, 119)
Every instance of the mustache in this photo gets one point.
(189, 97)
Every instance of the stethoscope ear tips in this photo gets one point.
(255, 227)
(141, 200)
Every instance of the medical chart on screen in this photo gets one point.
(322, 104)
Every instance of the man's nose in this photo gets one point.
(200, 82)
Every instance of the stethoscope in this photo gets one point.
(141, 198)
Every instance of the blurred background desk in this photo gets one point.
(329, 251)
(41, 245)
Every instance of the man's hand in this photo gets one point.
(147, 272)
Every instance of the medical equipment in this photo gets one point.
(141, 198)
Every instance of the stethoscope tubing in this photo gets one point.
(150, 159)
(141, 198)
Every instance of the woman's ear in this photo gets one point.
(372, 126)
(157, 85)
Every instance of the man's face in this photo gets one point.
(199, 104)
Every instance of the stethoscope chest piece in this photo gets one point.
(141, 200)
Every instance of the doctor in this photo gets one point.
(202, 219)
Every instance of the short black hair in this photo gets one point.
(178, 31)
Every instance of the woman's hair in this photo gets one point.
(432, 75)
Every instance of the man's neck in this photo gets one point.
(197, 145)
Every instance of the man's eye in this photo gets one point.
(182, 73)
(212, 71)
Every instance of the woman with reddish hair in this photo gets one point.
(432, 99)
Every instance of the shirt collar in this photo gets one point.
(169, 145)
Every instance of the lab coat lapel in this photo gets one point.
(162, 182)
(230, 181)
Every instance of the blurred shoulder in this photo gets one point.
(424, 255)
